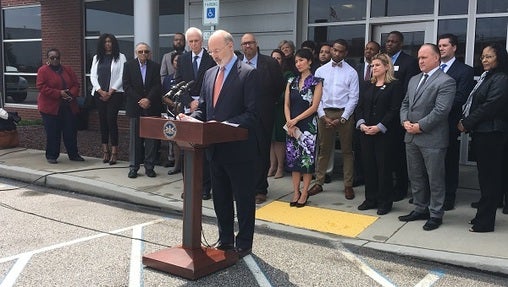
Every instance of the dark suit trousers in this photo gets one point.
(141, 149)
(488, 148)
(376, 156)
(400, 166)
(263, 163)
(234, 182)
(61, 125)
(452, 167)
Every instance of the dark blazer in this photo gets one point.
(405, 67)
(236, 104)
(489, 109)
(360, 69)
(429, 107)
(185, 72)
(135, 90)
(382, 106)
(464, 79)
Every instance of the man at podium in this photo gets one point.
(228, 94)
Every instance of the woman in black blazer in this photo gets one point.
(486, 117)
(377, 118)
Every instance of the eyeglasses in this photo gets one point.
(144, 52)
(216, 51)
(486, 57)
(52, 58)
(250, 43)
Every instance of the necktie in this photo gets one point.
(218, 85)
(467, 106)
(195, 67)
(339, 64)
(367, 73)
(442, 67)
(422, 82)
(250, 63)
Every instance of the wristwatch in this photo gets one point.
(343, 120)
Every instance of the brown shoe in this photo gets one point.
(315, 189)
(260, 198)
(349, 192)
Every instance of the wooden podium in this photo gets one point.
(190, 260)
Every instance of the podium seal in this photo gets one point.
(169, 130)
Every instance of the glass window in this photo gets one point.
(22, 23)
(488, 30)
(113, 16)
(492, 6)
(458, 27)
(20, 89)
(453, 7)
(24, 56)
(322, 11)
(353, 34)
(171, 17)
(401, 7)
(126, 47)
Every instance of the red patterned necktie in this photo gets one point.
(218, 85)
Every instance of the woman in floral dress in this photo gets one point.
(302, 97)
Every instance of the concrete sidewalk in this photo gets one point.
(451, 243)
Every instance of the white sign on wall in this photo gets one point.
(210, 12)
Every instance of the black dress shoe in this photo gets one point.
(383, 211)
(225, 246)
(77, 158)
(505, 210)
(414, 216)
(174, 171)
(132, 173)
(206, 196)
(366, 206)
(448, 205)
(432, 223)
(242, 252)
(328, 178)
(150, 173)
(170, 163)
(476, 228)
(52, 161)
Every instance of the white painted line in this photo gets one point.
(367, 270)
(75, 241)
(136, 268)
(16, 269)
(256, 271)
(430, 279)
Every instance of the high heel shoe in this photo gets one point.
(271, 172)
(114, 155)
(298, 204)
(105, 153)
(294, 203)
(279, 173)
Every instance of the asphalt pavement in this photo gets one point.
(451, 243)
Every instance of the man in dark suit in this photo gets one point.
(424, 116)
(464, 80)
(364, 70)
(232, 163)
(178, 47)
(272, 84)
(142, 86)
(192, 66)
(405, 67)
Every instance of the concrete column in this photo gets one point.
(146, 25)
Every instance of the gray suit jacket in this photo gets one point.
(429, 108)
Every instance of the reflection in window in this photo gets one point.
(20, 89)
(458, 27)
(22, 23)
(488, 30)
(113, 16)
(401, 7)
(171, 17)
(353, 34)
(24, 56)
(453, 7)
(412, 41)
(322, 11)
(492, 6)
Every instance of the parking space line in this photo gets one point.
(17, 268)
(430, 279)
(256, 271)
(75, 241)
(136, 268)
(367, 269)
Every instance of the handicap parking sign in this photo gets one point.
(210, 12)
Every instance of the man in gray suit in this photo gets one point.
(424, 116)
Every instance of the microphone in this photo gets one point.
(174, 89)
(188, 85)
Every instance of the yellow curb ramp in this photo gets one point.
(315, 218)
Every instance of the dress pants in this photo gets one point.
(401, 181)
(108, 115)
(376, 158)
(56, 127)
(452, 167)
(427, 174)
(234, 183)
(488, 148)
(326, 140)
(263, 164)
(141, 149)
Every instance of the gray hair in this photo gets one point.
(193, 30)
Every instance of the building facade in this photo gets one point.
(30, 28)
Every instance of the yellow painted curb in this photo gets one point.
(314, 218)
